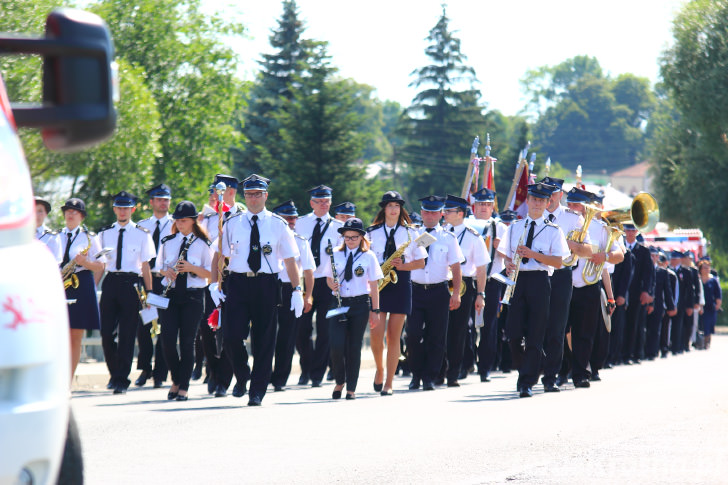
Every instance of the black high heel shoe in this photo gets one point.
(336, 395)
(171, 395)
(350, 397)
(378, 387)
(388, 392)
(180, 397)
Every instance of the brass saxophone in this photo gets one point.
(593, 272)
(390, 275)
(68, 272)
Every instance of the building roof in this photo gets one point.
(639, 170)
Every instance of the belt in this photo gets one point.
(348, 300)
(467, 278)
(252, 274)
(124, 274)
(429, 286)
(157, 274)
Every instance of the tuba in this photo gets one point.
(592, 272)
(578, 236)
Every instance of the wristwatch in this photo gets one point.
(298, 288)
(481, 293)
(376, 310)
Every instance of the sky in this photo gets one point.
(380, 42)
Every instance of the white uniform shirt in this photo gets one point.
(442, 253)
(79, 242)
(598, 237)
(304, 260)
(473, 248)
(165, 229)
(487, 228)
(137, 247)
(199, 253)
(378, 239)
(329, 231)
(276, 242)
(210, 221)
(52, 240)
(548, 239)
(366, 268)
(568, 221)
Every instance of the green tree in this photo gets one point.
(321, 140)
(274, 86)
(689, 146)
(191, 73)
(444, 117)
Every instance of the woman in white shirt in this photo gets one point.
(185, 258)
(357, 278)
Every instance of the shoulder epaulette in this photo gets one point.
(375, 226)
(241, 206)
(472, 231)
(144, 220)
(205, 240)
(336, 221)
(105, 228)
(144, 229)
(299, 236)
(277, 217)
(207, 216)
(168, 238)
(451, 234)
(566, 209)
(90, 233)
(233, 216)
(49, 231)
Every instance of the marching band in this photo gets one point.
(557, 293)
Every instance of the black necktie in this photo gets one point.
(316, 242)
(529, 240)
(551, 218)
(67, 254)
(155, 238)
(119, 245)
(348, 270)
(429, 230)
(181, 282)
(254, 254)
(390, 247)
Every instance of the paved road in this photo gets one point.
(664, 421)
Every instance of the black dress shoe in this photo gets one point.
(172, 395)
(484, 378)
(525, 392)
(336, 394)
(378, 387)
(428, 385)
(196, 373)
(607, 365)
(211, 386)
(550, 387)
(303, 380)
(254, 401)
(315, 383)
(120, 389)
(180, 397)
(220, 391)
(239, 389)
(439, 381)
(453, 383)
(350, 397)
(111, 384)
(583, 383)
(388, 392)
(414, 384)
(278, 388)
(142, 379)
(560, 381)
(463, 374)
(158, 383)
(595, 377)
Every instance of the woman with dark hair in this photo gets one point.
(713, 301)
(185, 258)
(388, 233)
(357, 277)
(80, 247)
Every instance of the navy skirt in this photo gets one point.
(84, 314)
(397, 298)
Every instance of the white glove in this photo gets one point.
(217, 295)
(297, 303)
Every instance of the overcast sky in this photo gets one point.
(381, 42)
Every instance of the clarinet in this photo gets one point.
(182, 257)
(330, 250)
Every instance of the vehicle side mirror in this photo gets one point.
(79, 80)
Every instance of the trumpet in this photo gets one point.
(578, 236)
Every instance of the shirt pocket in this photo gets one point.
(438, 253)
(541, 246)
